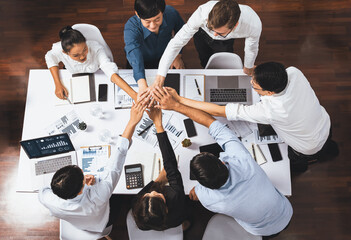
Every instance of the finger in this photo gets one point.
(151, 102)
(165, 90)
(144, 94)
(158, 91)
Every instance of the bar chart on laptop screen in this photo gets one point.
(54, 144)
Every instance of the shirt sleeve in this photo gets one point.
(103, 190)
(252, 42)
(182, 37)
(133, 38)
(226, 138)
(52, 57)
(108, 67)
(256, 113)
(170, 163)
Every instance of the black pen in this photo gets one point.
(145, 129)
(253, 152)
(197, 86)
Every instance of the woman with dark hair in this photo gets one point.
(160, 206)
(81, 56)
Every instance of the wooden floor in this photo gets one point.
(314, 36)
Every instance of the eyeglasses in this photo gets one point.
(219, 34)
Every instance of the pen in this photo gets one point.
(197, 86)
(145, 129)
(67, 99)
(253, 152)
(159, 166)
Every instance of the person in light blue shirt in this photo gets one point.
(146, 36)
(233, 184)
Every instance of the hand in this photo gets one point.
(249, 71)
(165, 99)
(178, 62)
(192, 195)
(156, 115)
(174, 93)
(89, 179)
(162, 177)
(136, 112)
(142, 88)
(61, 92)
(157, 83)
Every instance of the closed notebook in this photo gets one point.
(80, 87)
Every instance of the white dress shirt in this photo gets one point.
(295, 114)
(89, 210)
(96, 59)
(249, 27)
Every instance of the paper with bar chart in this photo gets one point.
(146, 131)
(65, 124)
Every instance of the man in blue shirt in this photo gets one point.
(146, 36)
(233, 184)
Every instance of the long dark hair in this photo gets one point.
(151, 212)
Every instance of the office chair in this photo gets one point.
(222, 227)
(224, 60)
(91, 32)
(70, 232)
(135, 233)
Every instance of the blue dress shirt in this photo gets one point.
(248, 195)
(142, 45)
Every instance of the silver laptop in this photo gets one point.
(47, 155)
(225, 89)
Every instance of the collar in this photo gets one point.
(228, 182)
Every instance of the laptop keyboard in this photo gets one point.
(52, 165)
(228, 95)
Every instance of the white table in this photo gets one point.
(41, 111)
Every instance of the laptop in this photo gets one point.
(225, 89)
(47, 155)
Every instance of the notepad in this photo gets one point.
(80, 87)
(194, 87)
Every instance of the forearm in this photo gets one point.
(197, 115)
(142, 84)
(159, 127)
(207, 107)
(55, 75)
(115, 78)
(129, 130)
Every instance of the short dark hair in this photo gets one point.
(150, 213)
(271, 76)
(69, 37)
(67, 182)
(209, 170)
(149, 8)
(224, 13)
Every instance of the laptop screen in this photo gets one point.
(47, 146)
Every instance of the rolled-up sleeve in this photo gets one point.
(256, 113)
(132, 40)
(108, 67)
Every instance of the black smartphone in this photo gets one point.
(190, 127)
(102, 93)
(275, 152)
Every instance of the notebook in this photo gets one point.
(80, 87)
(47, 155)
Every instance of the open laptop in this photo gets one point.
(225, 89)
(47, 155)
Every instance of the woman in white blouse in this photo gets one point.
(81, 56)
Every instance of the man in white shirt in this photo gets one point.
(214, 26)
(289, 105)
(88, 207)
